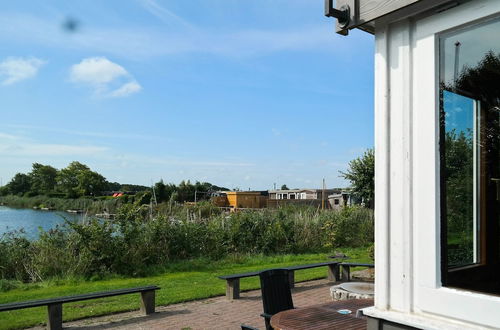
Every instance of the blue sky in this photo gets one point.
(238, 93)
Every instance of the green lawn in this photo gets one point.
(179, 282)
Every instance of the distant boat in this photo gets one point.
(74, 211)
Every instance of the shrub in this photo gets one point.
(140, 238)
(351, 226)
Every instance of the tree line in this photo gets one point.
(78, 180)
(184, 191)
(75, 180)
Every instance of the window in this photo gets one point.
(470, 152)
(336, 201)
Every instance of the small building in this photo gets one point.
(310, 197)
(301, 193)
(340, 200)
(240, 199)
(437, 155)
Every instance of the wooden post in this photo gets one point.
(291, 278)
(333, 273)
(346, 273)
(54, 316)
(233, 289)
(148, 302)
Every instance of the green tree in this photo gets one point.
(43, 178)
(67, 180)
(20, 184)
(361, 174)
(91, 183)
(185, 191)
(284, 187)
(161, 191)
(78, 180)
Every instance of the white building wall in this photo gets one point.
(407, 229)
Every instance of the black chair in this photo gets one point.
(276, 293)
(247, 327)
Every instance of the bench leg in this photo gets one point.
(333, 273)
(54, 316)
(148, 302)
(233, 289)
(346, 273)
(291, 278)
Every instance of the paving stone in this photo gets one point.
(212, 313)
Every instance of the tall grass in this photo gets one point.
(137, 241)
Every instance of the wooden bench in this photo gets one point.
(54, 305)
(233, 281)
(346, 269)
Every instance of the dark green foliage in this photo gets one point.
(74, 181)
(43, 179)
(78, 180)
(138, 239)
(87, 204)
(459, 175)
(4, 191)
(361, 174)
(185, 191)
(19, 185)
(352, 226)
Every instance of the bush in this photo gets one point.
(351, 226)
(140, 238)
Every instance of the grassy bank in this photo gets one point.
(87, 204)
(180, 281)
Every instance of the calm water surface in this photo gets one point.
(30, 220)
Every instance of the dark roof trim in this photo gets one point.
(364, 13)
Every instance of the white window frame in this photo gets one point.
(430, 295)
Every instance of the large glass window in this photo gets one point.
(469, 146)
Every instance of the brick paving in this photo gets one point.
(213, 313)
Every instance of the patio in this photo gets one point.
(213, 313)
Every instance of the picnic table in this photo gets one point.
(323, 317)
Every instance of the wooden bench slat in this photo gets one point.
(67, 299)
(350, 264)
(320, 264)
(233, 276)
(250, 274)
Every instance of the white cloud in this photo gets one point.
(16, 69)
(106, 78)
(20, 146)
(127, 89)
(96, 70)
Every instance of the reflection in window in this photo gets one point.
(470, 168)
(459, 177)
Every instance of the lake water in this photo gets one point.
(30, 220)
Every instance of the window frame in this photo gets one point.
(430, 295)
